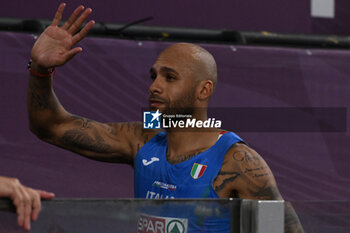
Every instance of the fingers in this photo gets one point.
(58, 14)
(17, 198)
(69, 55)
(77, 24)
(73, 17)
(28, 204)
(75, 21)
(36, 206)
(83, 32)
(45, 195)
(26, 200)
(55, 43)
(27, 210)
(22, 201)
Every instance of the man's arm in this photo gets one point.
(26, 200)
(246, 175)
(48, 118)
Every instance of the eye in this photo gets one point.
(170, 77)
(153, 76)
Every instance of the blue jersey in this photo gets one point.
(156, 178)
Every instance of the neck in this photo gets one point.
(200, 114)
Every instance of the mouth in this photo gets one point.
(155, 103)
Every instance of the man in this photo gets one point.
(184, 77)
(25, 199)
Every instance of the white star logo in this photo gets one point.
(156, 115)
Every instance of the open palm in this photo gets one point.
(54, 47)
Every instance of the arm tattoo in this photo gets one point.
(81, 121)
(127, 127)
(255, 173)
(77, 139)
(260, 185)
(264, 192)
(233, 177)
(132, 127)
(243, 156)
(41, 100)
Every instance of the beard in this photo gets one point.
(183, 105)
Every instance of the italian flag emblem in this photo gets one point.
(198, 170)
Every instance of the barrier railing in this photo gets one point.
(146, 216)
(145, 32)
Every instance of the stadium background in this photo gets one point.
(109, 82)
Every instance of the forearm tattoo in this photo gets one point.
(41, 98)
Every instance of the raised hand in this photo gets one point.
(54, 47)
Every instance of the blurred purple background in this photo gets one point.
(286, 16)
(109, 80)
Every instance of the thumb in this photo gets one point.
(45, 195)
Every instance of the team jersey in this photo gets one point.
(156, 178)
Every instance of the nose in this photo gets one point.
(156, 86)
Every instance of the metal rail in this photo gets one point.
(142, 32)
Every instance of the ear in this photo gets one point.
(205, 89)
